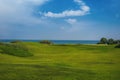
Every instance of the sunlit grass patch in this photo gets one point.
(15, 49)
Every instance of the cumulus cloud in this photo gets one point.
(16, 14)
(17, 19)
(21, 11)
(84, 9)
(71, 21)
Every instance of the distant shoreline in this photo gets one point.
(58, 41)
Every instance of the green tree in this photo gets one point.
(111, 41)
(103, 41)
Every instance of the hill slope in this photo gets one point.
(62, 62)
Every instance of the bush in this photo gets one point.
(15, 49)
(16, 41)
(117, 42)
(118, 46)
(1, 43)
(46, 42)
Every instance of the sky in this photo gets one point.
(59, 19)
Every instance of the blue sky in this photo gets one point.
(59, 19)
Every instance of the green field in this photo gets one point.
(62, 62)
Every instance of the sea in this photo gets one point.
(61, 41)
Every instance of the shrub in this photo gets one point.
(16, 41)
(46, 42)
(1, 43)
(16, 50)
(117, 42)
(118, 46)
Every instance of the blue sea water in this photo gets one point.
(61, 41)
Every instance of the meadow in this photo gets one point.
(62, 62)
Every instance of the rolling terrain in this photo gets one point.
(62, 62)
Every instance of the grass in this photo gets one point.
(15, 49)
(62, 62)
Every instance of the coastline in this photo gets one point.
(58, 41)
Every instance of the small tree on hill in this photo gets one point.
(111, 41)
(103, 41)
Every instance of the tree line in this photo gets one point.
(108, 41)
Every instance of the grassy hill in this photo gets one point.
(62, 62)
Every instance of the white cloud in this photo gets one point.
(17, 20)
(35, 2)
(13, 6)
(15, 14)
(71, 21)
(21, 11)
(84, 9)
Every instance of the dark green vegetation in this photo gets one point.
(16, 41)
(46, 42)
(62, 62)
(109, 41)
(118, 46)
(103, 41)
(15, 49)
